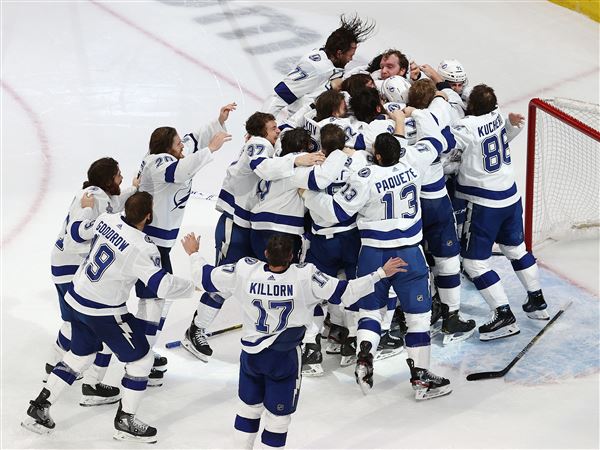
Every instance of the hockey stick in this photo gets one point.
(175, 344)
(501, 373)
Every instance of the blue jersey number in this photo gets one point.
(495, 152)
(286, 307)
(409, 192)
(101, 260)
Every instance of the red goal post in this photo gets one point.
(563, 169)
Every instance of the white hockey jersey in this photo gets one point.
(119, 255)
(386, 199)
(486, 176)
(312, 73)
(325, 227)
(69, 250)
(274, 302)
(256, 162)
(280, 207)
(169, 180)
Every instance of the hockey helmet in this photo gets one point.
(452, 70)
(395, 89)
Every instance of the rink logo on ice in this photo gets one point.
(261, 30)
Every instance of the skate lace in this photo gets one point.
(433, 377)
(493, 319)
(200, 337)
(103, 386)
(135, 425)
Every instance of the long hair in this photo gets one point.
(102, 174)
(352, 30)
(161, 140)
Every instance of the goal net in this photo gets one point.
(563, 169)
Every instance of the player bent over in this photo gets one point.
(277, 300)
(120, 254)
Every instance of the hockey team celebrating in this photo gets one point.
(357, 195)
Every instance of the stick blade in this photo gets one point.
(485, 375)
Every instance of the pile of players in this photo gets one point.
(343, 172)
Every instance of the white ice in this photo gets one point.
(82, 80)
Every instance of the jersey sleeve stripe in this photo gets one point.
(160, 233)
(336, 297)
(170, 172)
(207, 283)
(437, 145)
(59, 271)
(450, 140)
(312, 181)
(339, 212)
(284, 92)
(255, 162)
(75, 232)
(486, 193)
(154, 281)
(359, 142)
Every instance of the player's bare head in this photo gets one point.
(393, 62)
(138, 209)
(387, 150)
(296, 140)
(332, 138)
(482, 100)
(421, 93)
(366, 104)
(280, 250)
(166, 140)
(256, 125)
(341, 44)
(105, 174)
(356, 82)
(330, 104)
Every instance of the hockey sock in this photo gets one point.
(486, 281)
(134, 382)
(368, 330)
(95, 374)
(274, 434)
(447, 281)
(315, 326)
(417, 340)
(208, 308)
(351, 321)
(149, 313)
(247, 423)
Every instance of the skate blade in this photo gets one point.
(30, 424)
(313, 370)
(333, 349)
(435, 329)
(428, 394)
(364, 386)
(457, 337)
(89, 400)
(387, 353)
(154, 382)
(347, 361)
(160, 368)
(541, 314)
(122, 436)
(501, 333)
(190, 348)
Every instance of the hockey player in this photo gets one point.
(386, 198)
(167, 173)
(277, 300)
(494, 212)
(439, 228)
(451, 78)
(317, 68)
(235, 202)
(120, 254)
(103, 184)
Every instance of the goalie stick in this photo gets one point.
(501, 373)
(175, 344)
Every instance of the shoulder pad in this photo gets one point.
(364, 172)
(249, 260)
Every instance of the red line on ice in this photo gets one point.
(46, 167)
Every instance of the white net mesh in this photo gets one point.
(566, 172)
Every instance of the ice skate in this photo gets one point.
(100, 394)
(535, 306)
(312, 359)
(389, 345)
(39, 420)
(426, 384)
(155, 378)
(337, 335)
(160, 362)
(348, 352)
(502, 324)
(454, 328)
(195, 342)
(128, 428)
(364, 367)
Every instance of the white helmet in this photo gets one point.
(452, 70)
(395, 89)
